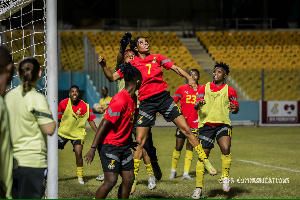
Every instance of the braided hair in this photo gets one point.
(28, 71)
(130, 72)
(224, 66)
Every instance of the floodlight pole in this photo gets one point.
(52, 96)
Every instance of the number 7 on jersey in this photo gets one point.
(149, 68)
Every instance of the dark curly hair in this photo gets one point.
(130, 72)
(224, 66)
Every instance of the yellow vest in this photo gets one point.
(73, 126)
(216, 109)
(105, 102)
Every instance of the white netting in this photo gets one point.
(23, 32)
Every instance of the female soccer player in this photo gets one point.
(187, 97)
(154, 98)
(149, 151)
(216, 100)
(31, 120)
(113, 137)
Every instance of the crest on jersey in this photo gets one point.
(154, 60)
(78, 112)
(111, 165)
(140, 120)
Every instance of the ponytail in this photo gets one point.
(28, 71)
(130, 72)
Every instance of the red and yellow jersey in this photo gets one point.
(150, 67)
(120, 112)
(232, 96)
(188, 97)
(79, 109)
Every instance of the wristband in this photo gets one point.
(93, 147)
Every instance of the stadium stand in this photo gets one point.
(248, 53)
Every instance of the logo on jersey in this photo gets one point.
(187, 92)
(140, 120)
(154, 60)
(78, 112)
(111, 165)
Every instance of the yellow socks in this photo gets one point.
(79, 172)
(149, 169)
(226, 162)
(199, 174)
(136, 166)
(175, 158)
(201, 153)
(188, 160)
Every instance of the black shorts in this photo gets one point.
(63, 141)
(208, 134)
(162, 103)
(179, 134)
(29, 183)
(115, 158)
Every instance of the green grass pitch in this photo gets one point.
(268, 153)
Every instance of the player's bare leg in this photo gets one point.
(181, 123)
(110, 180)
(225, 144)
(79, 163)
(127, 181)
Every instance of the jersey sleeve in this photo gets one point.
(114, 111)
(120, 73)
(92, 116)
(61, 109)
(201, 93)
(165, 62)
(232, 95)
(177, 96)
(42, 111)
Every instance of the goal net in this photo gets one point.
(23, 32)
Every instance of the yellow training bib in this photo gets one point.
(73, 126)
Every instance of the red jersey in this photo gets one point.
(120, 112)
(232, 96)
(188, 97)
(150, 67)
(79, 109)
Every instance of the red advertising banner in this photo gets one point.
(280, 112)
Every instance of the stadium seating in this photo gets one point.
(248, 52)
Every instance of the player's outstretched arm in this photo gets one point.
(183, 73)
(89, 156)
(109, 75)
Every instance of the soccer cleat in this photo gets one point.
(211, 170)
(151, 182)
(156, 170)
(100, 177)
(173, 175)
(225, 184)
(133, 186)
(80, 180)
(186, 177)
(197, 193)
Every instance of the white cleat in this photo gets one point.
(80, 180)
(100, 177)
(186, 177)
(173, 175)
(225, 184)
(197, 193)
(151, 182)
